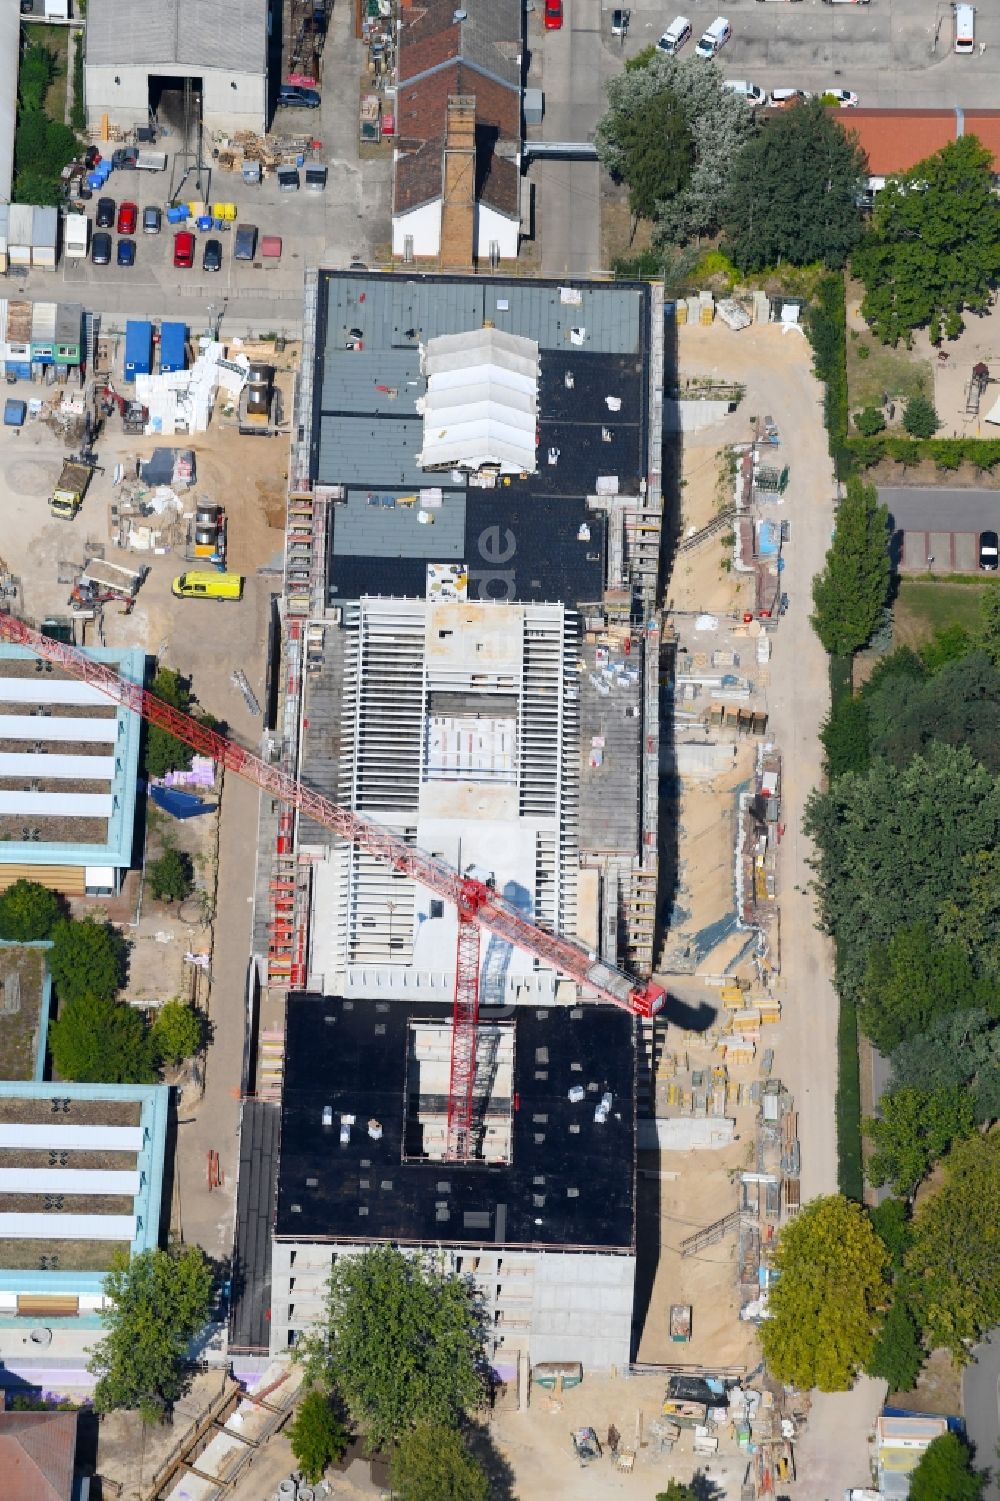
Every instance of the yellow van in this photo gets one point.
(208, 586)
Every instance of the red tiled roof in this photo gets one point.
(894, 140)
(37, 1451)
(422, 113)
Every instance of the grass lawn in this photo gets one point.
(885, 372)
(56, 38)
(923, 607)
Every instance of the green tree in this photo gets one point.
(934, 245)
(959, 1051)
(912, 980)
(432, 1463)
(825, 1306)
(318, 1435)
(157, 1303)
(851, 592)
(164, 752)
(957, 704)
(892, 847)
(718, 122)
(86, 959)
(949, 643)
(952, 1263)
(171, 877)
(920, 419)
(893, 1227)
(178, 1031)
(794, 192)
(29, 912)
(869, 421)
(898, 1354)
(401, 1341)
(988, 634)
(945, 1473)
(657, 153)
(845, 737)
(95, 1040)
(914, 1129)
(675, 1491)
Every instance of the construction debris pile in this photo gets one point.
(759, 485)
(269, 152)
(181, 401)
(759, 833)
(762, 1420)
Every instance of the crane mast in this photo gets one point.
(477, 903)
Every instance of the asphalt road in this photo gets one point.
(981, 1405)
(935, 510)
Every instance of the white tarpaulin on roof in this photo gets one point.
(481, 407)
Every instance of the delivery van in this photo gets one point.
(965, 28)
(208, 586)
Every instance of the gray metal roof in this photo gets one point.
(196, 34)
(396, 312)
(370, 380)
(371, 524)
(370, 451)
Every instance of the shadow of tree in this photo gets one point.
(498, 1468)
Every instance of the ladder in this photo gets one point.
(717, 524)
(711, 1233)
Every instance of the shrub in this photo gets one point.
(318, 1435)
(171, 877)
(177, 1032)
(28, 912)
(920, 419)
(99, 1041)
(86, 959)
(869, 422)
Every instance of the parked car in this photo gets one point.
(100, 249)
(152, 220)
(245, 244)
(785, 98)
(105, 216)
(751, 92)
(989, 551)
(714, 38)
(124, 158)
(846, 98)
(553, 15)
(676, 34)
(294, 96)
(126, 253)
(128, 215)
(211, 259)
(184, 248)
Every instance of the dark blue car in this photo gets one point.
(126, 252)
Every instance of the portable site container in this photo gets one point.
(173, 346)
(138, 348)
(44, 237)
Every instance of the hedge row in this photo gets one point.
(826, 326)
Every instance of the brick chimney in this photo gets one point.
(458, 186)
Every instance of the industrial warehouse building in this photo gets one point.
(140, 55)
(543, 1220)
(69, 761)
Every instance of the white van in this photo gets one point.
(676, 34)
(751, 92)
(965, 28)
(715, 38)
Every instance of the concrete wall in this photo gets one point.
(547, 1305)
(225, 108)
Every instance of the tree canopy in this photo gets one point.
(86, 959)
(28, 912)
(953, 1260)
(158, 1302)
(898, 1354)
(171, 876)
(98, 1041)
(914, 1128)
(318, 1434)
(657, 152)
(933, 248)
(850, 594)
(432, 1463)
(177, 1032)
(957, 704)
(825, 1306)
(717, 122)
(944, 1472)
(958, 1051)
(401, 1341)
(794, 192)
(892, 846)
(912, 980)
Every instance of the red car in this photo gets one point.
(553, 15)
(128, 213)
(184, 248)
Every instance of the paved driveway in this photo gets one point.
(981, 1405)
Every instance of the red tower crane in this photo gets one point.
(477, 904)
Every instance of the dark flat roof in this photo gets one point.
(367, 433)
(250, 1304)
(570, 1183)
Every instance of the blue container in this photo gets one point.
(177, 215)
(300, 160)
(204, 221)
(218, 223)
(94, 180)
(173, 346)
(14, 412)
(138, 348)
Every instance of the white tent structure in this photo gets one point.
(481, 406)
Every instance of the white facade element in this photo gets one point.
(57, 804)
(68, 1180)
(123, 93)
(540, 1304)
(30, 727)
(57, 768)
(40, 688)
(493, 228)
(422, 227)
(460, 731)
(67, 1227)
(481, 406)
(58, 1137)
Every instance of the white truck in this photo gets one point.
(76, 237)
